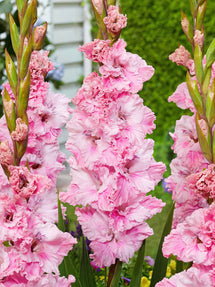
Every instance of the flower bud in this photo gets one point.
(199, 38)
(38, 36)
(6, 155)
(187, 28)
(115, 21)
(20, 132)
(98, 5)
(181, 56)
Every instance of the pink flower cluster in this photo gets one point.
(192, 238)
(32, 247)
(112, 166)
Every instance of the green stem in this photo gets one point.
(114, 274)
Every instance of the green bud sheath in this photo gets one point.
(24, 90)
(39, 36)
(20, 4)
(193, 6)
(9, 110)
(204, 140)
(214, 145)
(210, 105)
(14, 34)
(210, 54)
(206, 80)
(100, 23)
(198, 64)
(194, 93)
(187, 27)
(25, 59)
(11, 72)
(26, 22)
(111, 2)
(200, 15)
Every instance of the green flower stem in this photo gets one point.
(114, 274)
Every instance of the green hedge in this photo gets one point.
(153, 32)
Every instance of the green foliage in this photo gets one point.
(153, 32)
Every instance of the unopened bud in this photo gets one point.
(20, 132)
(6, 155)
(115, 21)
(203, 126)
(199, 38)
(38, 36)
(185, 25)
(98, 5)
(8, 107)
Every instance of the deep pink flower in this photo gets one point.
(6, 155)
(25, 184)
(115, 21)
(20, 132)
(203, 182)
(181, 56)
(96, 50)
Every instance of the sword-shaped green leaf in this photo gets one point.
(160, 265)
(137, 271)
(86, 271)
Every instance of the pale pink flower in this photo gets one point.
(107, 140)
(185, 137)
(181, 97)
(194, 276)
(181, 56)
(124, 71)
(108, 243)
(193, 239)
(199, 38)
(45, 249)
(50, 280)
(20, 132)
(115, 21)
(40, 64)
(6, 155)
(45, 280)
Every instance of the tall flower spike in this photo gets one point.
(112, 166)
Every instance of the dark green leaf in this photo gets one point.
(61, 224)
(160, 261)
(137, 272)
(86, 271)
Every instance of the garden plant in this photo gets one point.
(95, 233)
